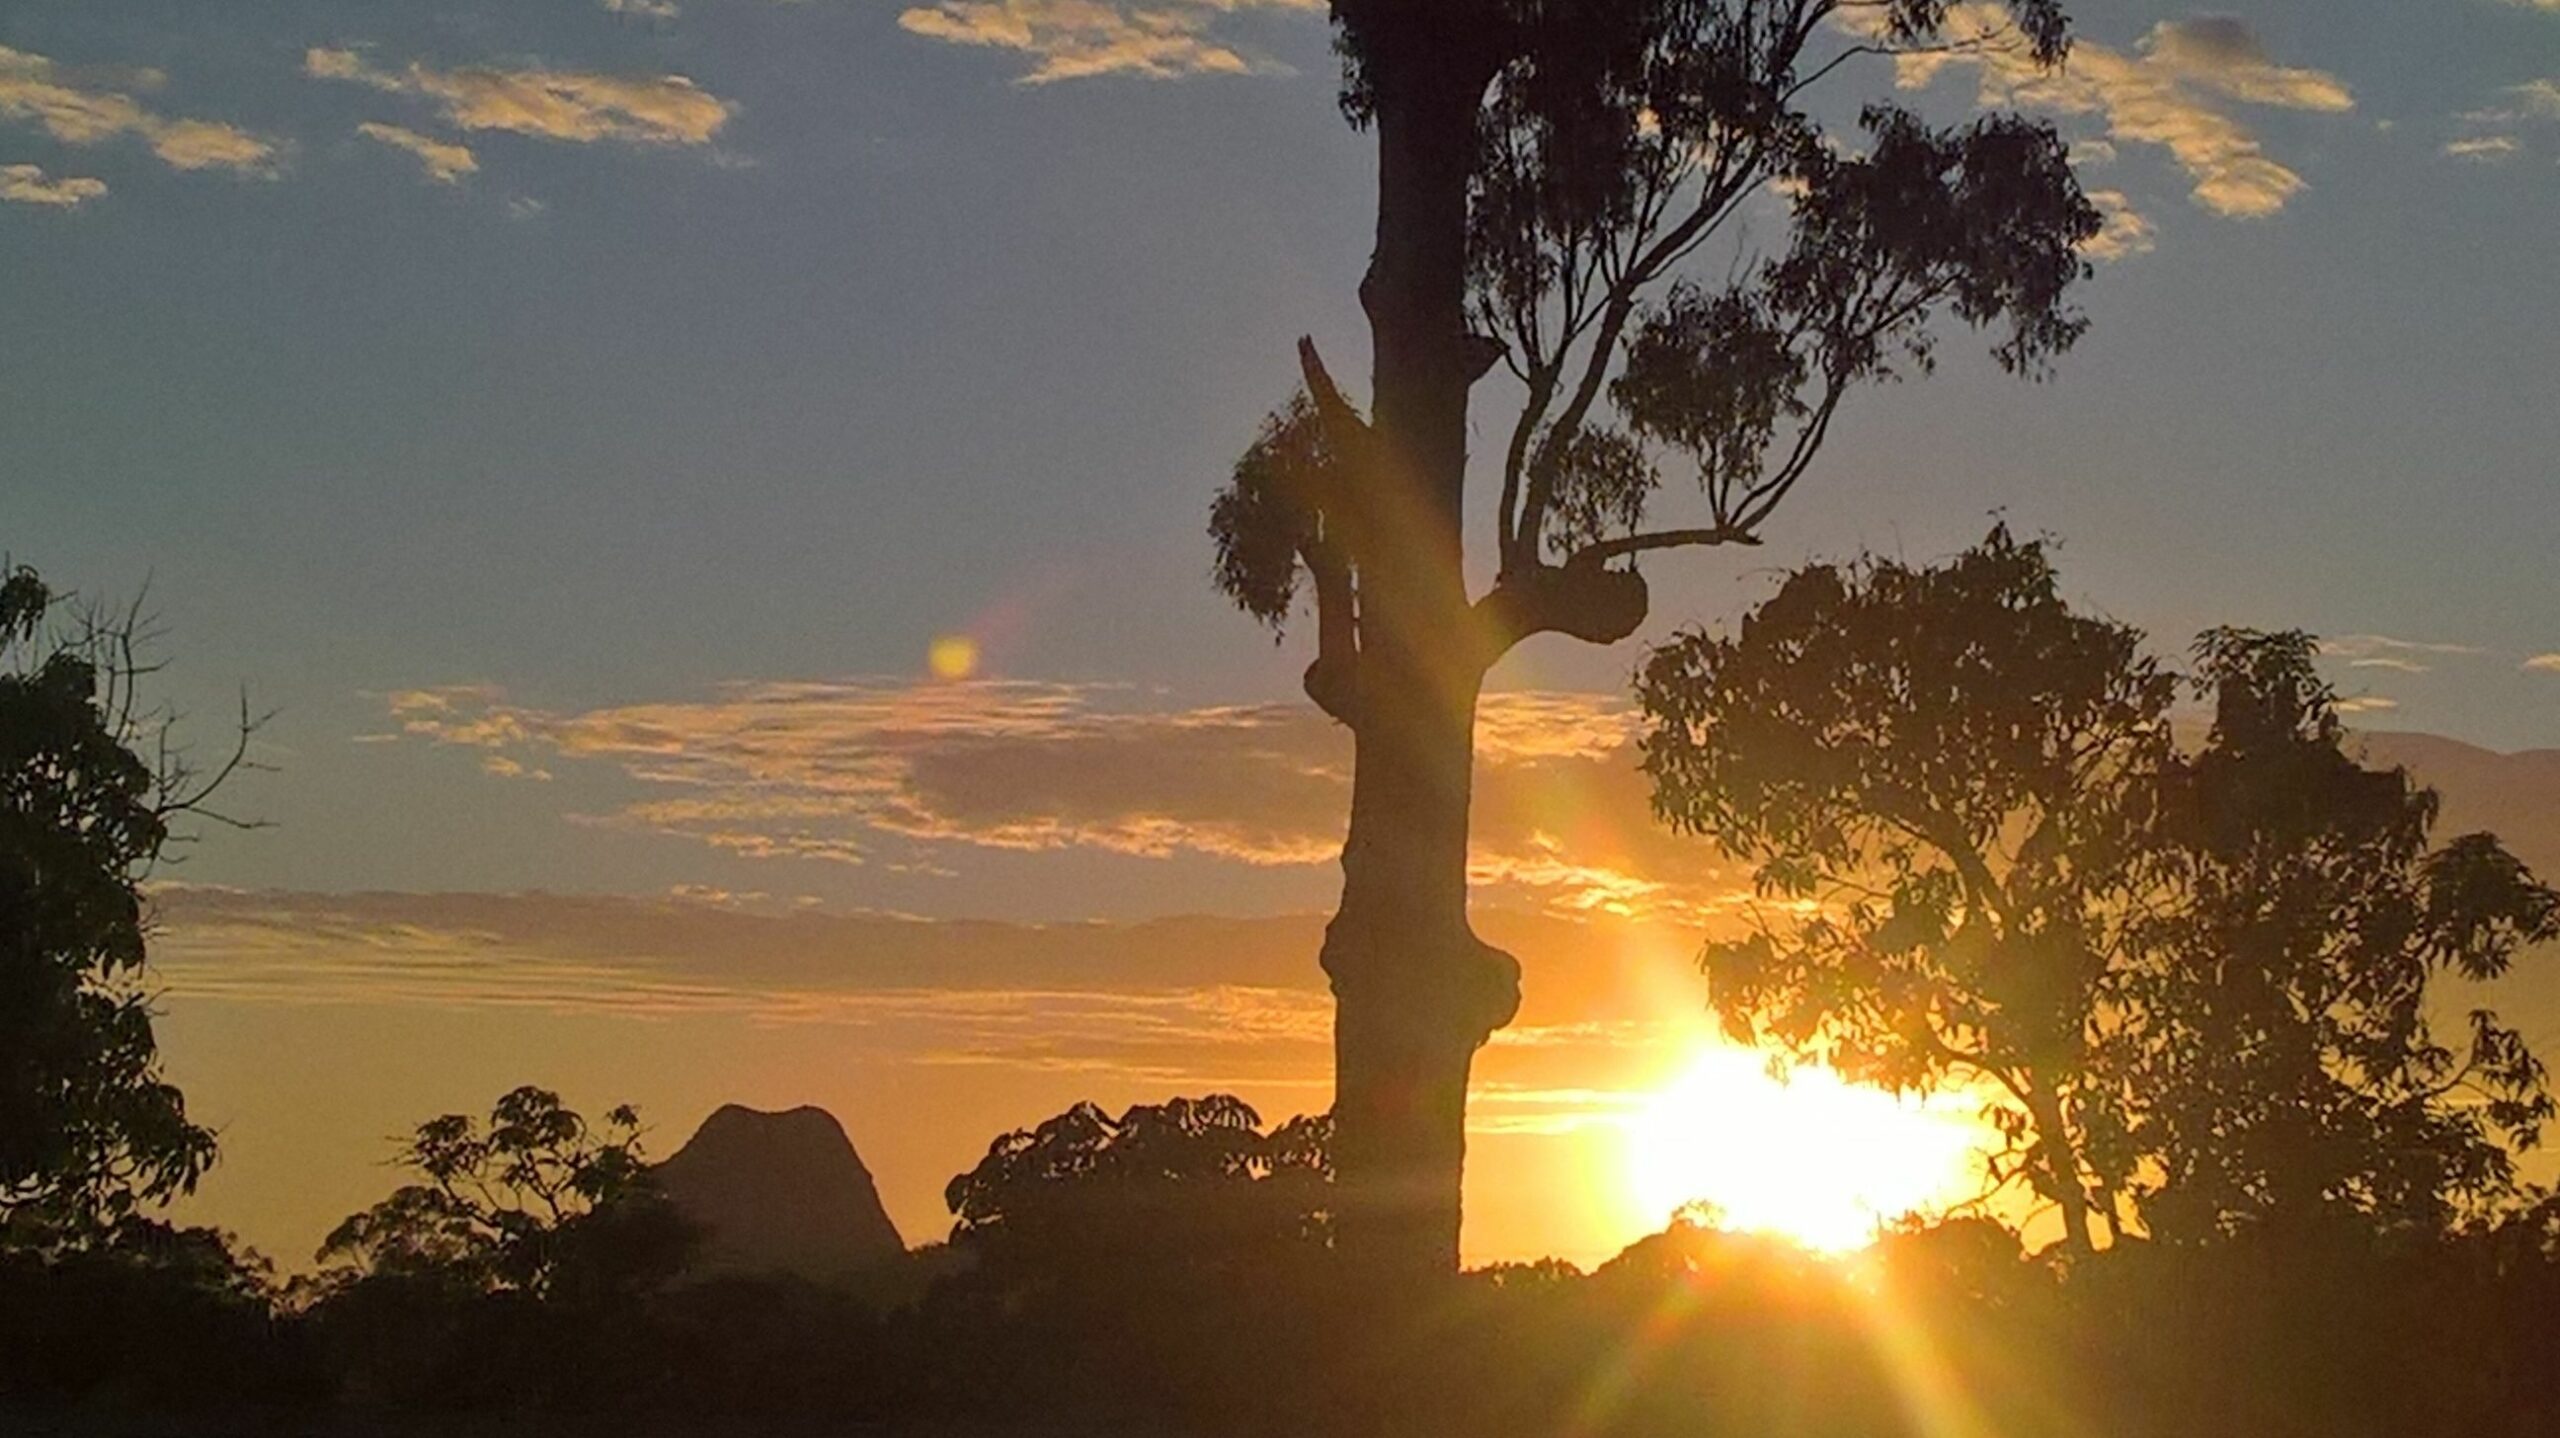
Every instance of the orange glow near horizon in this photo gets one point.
(1809, 1157)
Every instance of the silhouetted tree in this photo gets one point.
(1945, 779)
(1545, 169)
(90, 785)
(2286, 1066)
(2197, 985)
(1186, 1184)
(532, 1201)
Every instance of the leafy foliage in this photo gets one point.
(90, 1128)
(1617, 146)
(532, 1200)
(1189, 1183)
(2196, 985)
(2287, 1061)
(1943, 776)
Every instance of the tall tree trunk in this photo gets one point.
(1416, 993)
(2062, 1167)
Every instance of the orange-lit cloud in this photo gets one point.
(79, 111)
(2123, 231)
(840, 770)
(30, 185)
(1078, 39)
(444, 163)
(568, 105)
(2169, 91)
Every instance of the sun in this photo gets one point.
(1808, 1156)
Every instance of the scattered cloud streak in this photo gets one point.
(572, 106)
(2171, 91)
(847, 770)
(79, 110)
(2381, 651)
(1080, 39)
(30, 185)
(2483, 149)
(444, 163)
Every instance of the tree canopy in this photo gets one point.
(532, 1200)
(2195, 984)
(90, 786)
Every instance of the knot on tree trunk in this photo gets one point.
(1437, 990)
(1587, 601)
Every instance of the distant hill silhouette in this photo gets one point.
(780, 1193)
(2515, 796)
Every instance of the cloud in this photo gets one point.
(869, 771)
(2537, 98)
(566, 105)
(2483, 149)
(2123, 232)
(2367, 704)
(30, 185)
(2169, 92)
(79, 108)
(1078, 39)
(445, 163)
(645, 9)
(2381, 651)
(2543, 663)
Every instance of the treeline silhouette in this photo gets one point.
(2198, 983)
(1168, 1270)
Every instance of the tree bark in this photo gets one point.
(2055, 1152)
(1416, 993)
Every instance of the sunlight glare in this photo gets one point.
(1809, 1157)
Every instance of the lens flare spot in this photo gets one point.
(952, 656)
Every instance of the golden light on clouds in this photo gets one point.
(1809, 1157)
(952, 656)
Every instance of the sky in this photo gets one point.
(577, 421)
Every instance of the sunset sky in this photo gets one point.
(580, 420)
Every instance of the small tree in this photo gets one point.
(531, 1201)
(1942, 779)
(90, 787)
(2285, 1063)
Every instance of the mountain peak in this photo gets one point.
(780, 1192)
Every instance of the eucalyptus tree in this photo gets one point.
(2290, 1060)
(1559, 185)
(1947, 786)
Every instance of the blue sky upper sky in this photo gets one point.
(577, 356)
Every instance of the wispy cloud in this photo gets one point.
(1079, 39)
(645, 9)
(30, 185)
(866, 771)
(2382, 651)
(2543, 663)
(567, 105)
(445, 163)
(2171, 91)
(2483, 149)
(78, 110)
